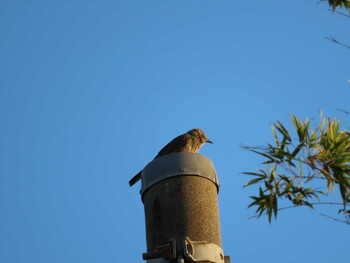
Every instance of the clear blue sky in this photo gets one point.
(91, 90)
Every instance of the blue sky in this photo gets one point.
(91, 90)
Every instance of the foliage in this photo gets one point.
(339, 4)
(296, 167)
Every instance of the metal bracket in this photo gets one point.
(202, 252)
(166, 252)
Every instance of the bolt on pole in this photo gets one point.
(180, 196)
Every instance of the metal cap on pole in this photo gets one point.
(180, 196)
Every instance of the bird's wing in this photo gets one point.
(176, 145)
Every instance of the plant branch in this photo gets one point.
(336, 219)
(295, 206)
(337, 42)
(339, 13)
(344, 111)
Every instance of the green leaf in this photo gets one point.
(279, 126)
(275, 136)
(297, 150)
(253, 181)
(298, 199)
(275, 206)
(263, 154)
(300, 169)
(256, 174)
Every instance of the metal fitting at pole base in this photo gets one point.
(201, 251)
(165, 252)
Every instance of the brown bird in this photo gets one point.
(190, 141)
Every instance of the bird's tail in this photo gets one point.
(135, 179)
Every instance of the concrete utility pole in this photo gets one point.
(179, 192)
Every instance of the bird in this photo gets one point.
(190, 141)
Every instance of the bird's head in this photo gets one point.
(199, 134)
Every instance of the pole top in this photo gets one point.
(178, 164)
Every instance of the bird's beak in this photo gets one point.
(208, 141)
